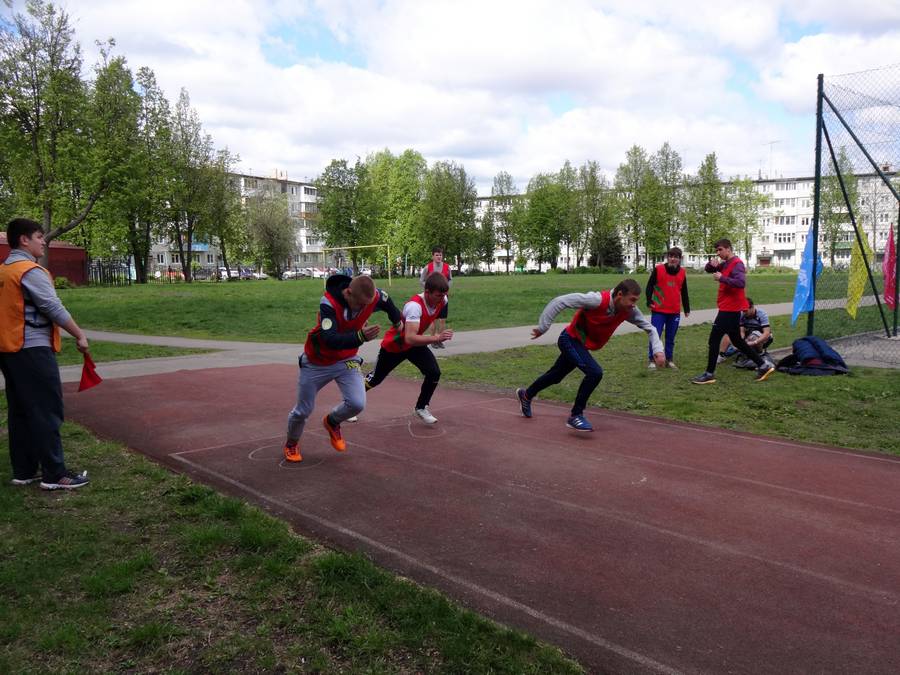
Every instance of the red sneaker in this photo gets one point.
(292, 452)
(334, 433)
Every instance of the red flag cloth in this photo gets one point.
(889, 268)
(89, 376)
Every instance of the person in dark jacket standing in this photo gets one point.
(667, 294)
(30, 317)
(731, 274)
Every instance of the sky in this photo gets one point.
(518, 86)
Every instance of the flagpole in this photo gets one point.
(896, 238)
(811, 315)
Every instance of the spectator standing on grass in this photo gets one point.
(667, 293)
(598, 316)
(30, 317)
(330, 354)
(731, 274)
(437, 264)
(408, 342)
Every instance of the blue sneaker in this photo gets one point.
(579, 423)
(524, 401)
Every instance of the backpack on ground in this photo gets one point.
(812, 356)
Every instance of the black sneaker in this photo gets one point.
(524, 402)
(763, 372)
(705, 378)
(68, 481)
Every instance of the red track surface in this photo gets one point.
(647, 546)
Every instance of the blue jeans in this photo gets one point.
(572, 354)
(669, 323)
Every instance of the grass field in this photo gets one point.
(855, 411)
(145, 571)
(103, 352)
(276, 311)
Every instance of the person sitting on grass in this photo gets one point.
(598, 316)
(409, 342)
(757, 333)
(330, 353)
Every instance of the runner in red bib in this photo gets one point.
(438, 265)
(409, 342)
(667, 294)
(731, 274)
(598, 316)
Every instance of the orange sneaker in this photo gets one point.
(292, 452)
(334, 432)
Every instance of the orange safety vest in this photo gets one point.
(667, 292)
(321, 354)
(729, 298)
(12, 307)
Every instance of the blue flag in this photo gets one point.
(804, 301)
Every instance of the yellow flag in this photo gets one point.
(856, 283)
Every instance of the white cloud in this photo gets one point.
(481, 82)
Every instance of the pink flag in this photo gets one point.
(889, 268)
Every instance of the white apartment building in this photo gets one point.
(303, 208)
(784, 226)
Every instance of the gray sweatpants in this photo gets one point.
(312, 378)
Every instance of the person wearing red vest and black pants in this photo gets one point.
(437, 264)
(330, 354)
(30, 317)
(598, 316)
(667, 292)
(409, 342)
(731, 274)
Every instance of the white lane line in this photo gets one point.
(624, 652)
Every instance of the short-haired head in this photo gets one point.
(21, 227)
(627, 287)
(723, 243)
(675, 252)
(361, 291)
(437, 282)
(437, 249)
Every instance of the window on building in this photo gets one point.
(176, 257)
(310, 190)
(161, 258)
(250, 183)
(209, 258)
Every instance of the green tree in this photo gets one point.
(833, 212)
(598, 207)
(447, 215)
(503, 194)
(272, 232)
(667, 167)
(191, 156)
(632, 184)
(399, 185)
(224, 216)
(707, 207)
(744, 206)
(572, 227)
(348, 208)
(547, 210)
(58, 157)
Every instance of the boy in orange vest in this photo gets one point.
(598, 316)
(667, 293)
(409, 342)
(30, 317)
(731, 274)
(330, 353)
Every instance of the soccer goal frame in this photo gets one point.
(387, 254)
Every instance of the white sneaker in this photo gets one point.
(721, 358)
(352, 419)
(651, 366)
(425, 415)
(671, 364)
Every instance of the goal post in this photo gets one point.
(387, 254)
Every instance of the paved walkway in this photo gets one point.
(232, 354)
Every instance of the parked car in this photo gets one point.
(259, 275)
(294, 274)
(225, 274)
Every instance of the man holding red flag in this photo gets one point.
(30, 316)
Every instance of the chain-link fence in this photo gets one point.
(857, 210)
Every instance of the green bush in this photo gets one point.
(62, 282)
